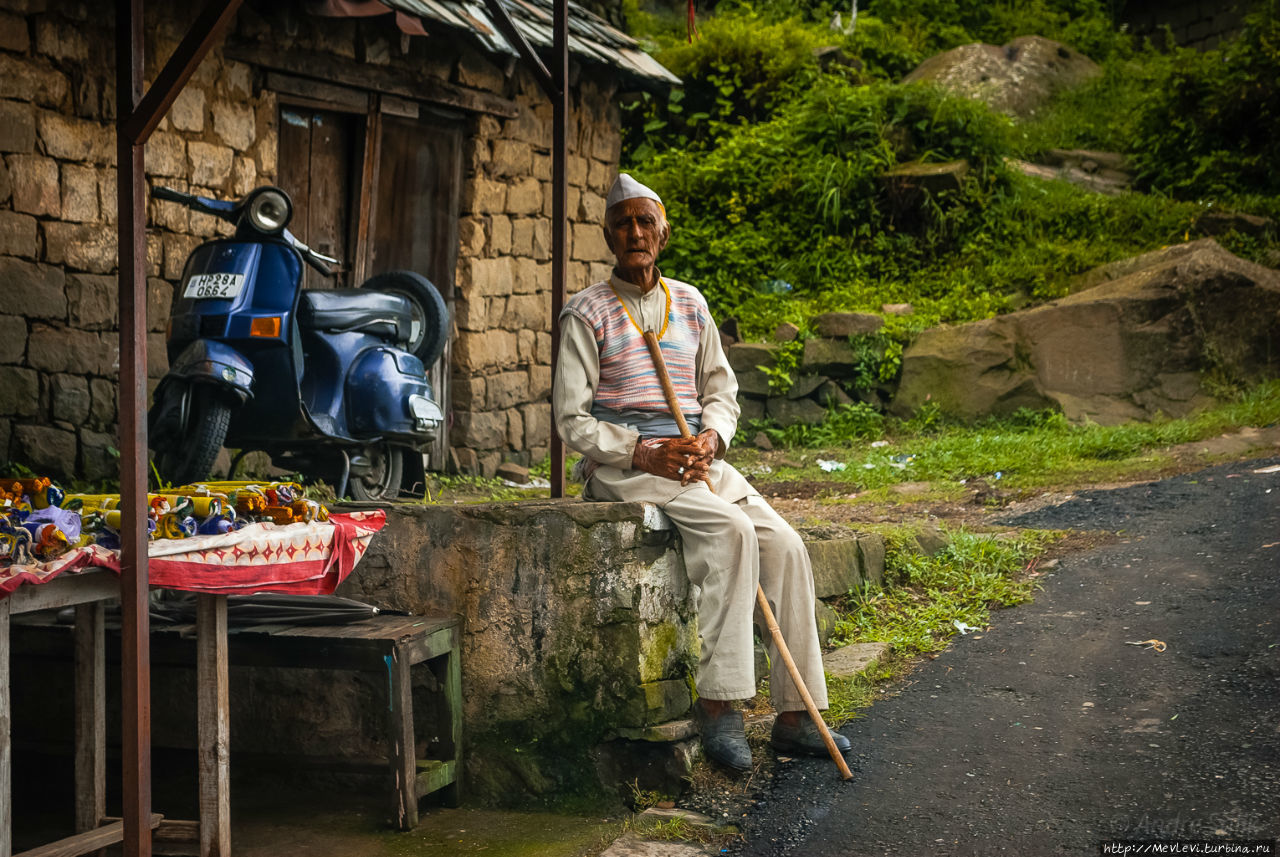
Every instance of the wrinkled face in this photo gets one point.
(636, 233)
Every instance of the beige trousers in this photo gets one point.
(733, 540)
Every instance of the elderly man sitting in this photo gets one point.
(609, 406)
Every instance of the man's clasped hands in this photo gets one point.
(687, 459)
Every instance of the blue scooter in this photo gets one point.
(328, 382)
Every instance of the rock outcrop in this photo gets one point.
(1016, 79)
(1135, 344)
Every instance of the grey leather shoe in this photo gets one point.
(724, 739)
(804, 740)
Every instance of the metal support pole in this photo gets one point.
(559, 221)
(135, 653)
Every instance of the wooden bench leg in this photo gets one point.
(451, 795)
(403, 755)
(91, 717)
(213, 715)
(6, 762)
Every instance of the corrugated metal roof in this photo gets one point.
(590, 37)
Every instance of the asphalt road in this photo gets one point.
(1047, 734)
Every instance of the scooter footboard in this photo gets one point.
(387, 394)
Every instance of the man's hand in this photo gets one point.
(686, 459)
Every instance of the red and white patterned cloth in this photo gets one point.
(300, 559)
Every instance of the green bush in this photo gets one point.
(1213, 127)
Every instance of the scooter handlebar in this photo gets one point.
(217, 208)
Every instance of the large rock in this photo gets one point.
(1130, 347)
(1016, 79)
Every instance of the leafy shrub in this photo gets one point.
(1213, 128)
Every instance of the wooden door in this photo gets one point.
(316, 168)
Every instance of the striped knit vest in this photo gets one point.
(628, 380)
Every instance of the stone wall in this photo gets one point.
(502, 356)
(59, 349)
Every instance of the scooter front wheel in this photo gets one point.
(376, 471)
(190, 457)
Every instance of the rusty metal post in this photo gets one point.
(559, 221)
(135, 653)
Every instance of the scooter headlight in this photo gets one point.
(270, 210)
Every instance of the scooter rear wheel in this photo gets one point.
(430, 315)
(191, 457)
(379, 479)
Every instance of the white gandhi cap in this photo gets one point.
(625, 187)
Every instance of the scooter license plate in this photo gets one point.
(223, 286)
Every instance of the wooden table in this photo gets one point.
(88, 592)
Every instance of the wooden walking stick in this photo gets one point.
(669, 392)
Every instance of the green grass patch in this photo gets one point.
(1031, 449)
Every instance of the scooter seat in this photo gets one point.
(343, 310)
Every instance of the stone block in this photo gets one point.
(542, 349)
(511, 158)
(513, 472)
(187, 112)
(210, 164)
(497, 306)
(476, 153)
(31, 80)
(537, 425)
(522, 236)
(836, 566)
(99, 456)
(871, 548)
(657, 702)
(79, 193)
(102, 402)
(17, 127)
(600, 176)
(529, 127)
(591, 207)
(748, 356)
(515, 429)
(896, 309)
(831, 394)
(166, 155)
(35, 185)
(70, 139)
(478, 429)
(850, 660)
(19, 392)
(826, 619)
(484, 196)
(471, 314)
(524, 197)
(529, 277)
(576, 170)
(80, 246)
(464, 461)
(788, 412)
(13, 37)
(786, 332)
(471, 237)
(468, 393)
(485, 277)
(539, 382)
(499, 235)
(13, 340)
(542, 168)
(507, 389)
(753, 382)
(526, 346)
(803, 385)
(828, 355)
(528, 312)
(588, 243)
(159, 303)
(752, 409)
(489, 462)
(69, 398)
(176, 250)
(6, 185)
(244, 175)
(38, 289)
(474, 352)
(45, 450)
(837, 324)
(157, 356)
(108, 202)
(542, 240)
(18, 235)
(235, 124)
(60, 40)
(476, 71)
(61, 349)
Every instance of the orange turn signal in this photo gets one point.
(265, 326)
